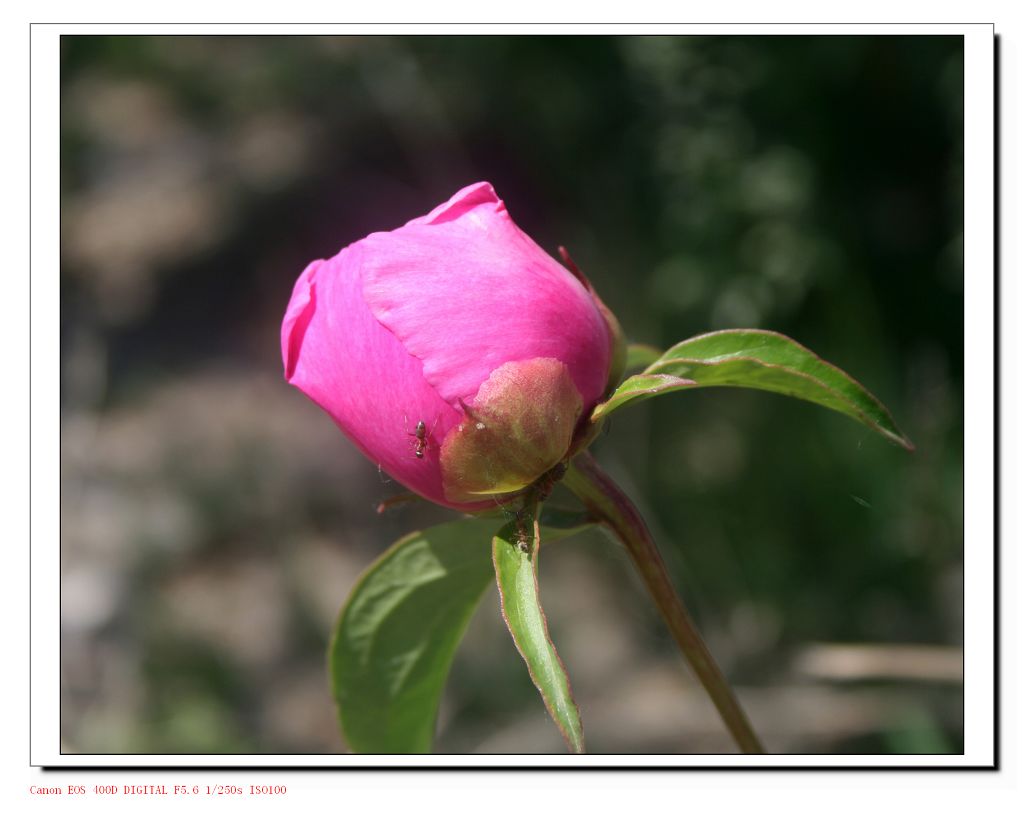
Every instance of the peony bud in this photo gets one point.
(453, 351)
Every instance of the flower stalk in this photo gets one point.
(610, 506)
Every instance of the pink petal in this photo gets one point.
(339, 355)
(464, 200)
(466, 291)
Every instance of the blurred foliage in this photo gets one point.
(213, 521)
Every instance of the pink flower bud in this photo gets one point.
(453, 351)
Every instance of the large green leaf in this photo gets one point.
(396, 636)
(520, 603)
(759, 359)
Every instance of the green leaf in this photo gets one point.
(759, 359)
(396, 637)
(520, 604)
(639, 356)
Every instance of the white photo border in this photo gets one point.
(980, 588)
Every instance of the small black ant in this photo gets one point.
(421, 438)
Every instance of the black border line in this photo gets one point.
(996, 730)
(996, 366)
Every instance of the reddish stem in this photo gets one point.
(610, 505)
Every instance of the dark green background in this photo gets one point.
(213, 520)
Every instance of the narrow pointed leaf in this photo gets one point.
(638, 388)
(396, 637)
(758, 359)
(520, 604)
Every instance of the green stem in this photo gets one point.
(610, 506)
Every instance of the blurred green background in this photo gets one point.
(213, 520)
